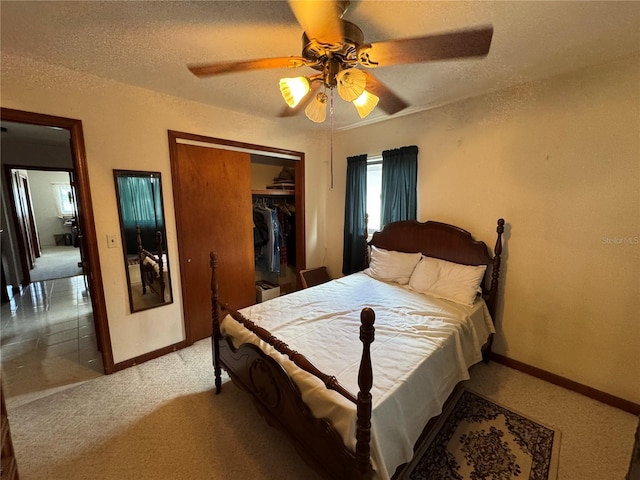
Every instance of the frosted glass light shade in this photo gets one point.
(365, 103)
(294, 89)
(351, 83)
(316, 111)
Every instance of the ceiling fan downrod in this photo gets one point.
(331, 69)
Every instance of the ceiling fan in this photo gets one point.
(337, 50)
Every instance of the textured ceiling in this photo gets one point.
(149, 44)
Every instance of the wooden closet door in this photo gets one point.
(212, 194)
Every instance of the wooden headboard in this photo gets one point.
(446, 242)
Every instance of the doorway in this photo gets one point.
(45, 216)
(79, 231)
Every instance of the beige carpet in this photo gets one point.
(158, 420)
(56, 262)
(161, 420)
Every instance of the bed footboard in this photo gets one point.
(279, 400)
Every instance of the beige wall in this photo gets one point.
(125, 127)
(560, 161)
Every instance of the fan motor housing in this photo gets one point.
(317, 52)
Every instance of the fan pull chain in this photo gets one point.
(331, 142)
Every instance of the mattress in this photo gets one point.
(423, 347)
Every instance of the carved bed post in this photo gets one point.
(493, 291)
(365, 382)
(215, 318)
(159, 253)
(366, 240)
(495, 271)
(140, 259)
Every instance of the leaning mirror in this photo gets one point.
(143, 241)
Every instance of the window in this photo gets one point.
(64, 197)
(374, 193)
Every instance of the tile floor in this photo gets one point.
(47, 340)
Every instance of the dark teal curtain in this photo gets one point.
(399, 184)
(353, 254)
(140, 204)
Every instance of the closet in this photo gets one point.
(219, 187)
(274, 225)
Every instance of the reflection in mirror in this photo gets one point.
(146, 262)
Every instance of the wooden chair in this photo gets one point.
(314, 276)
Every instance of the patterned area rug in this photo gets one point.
(477, 439)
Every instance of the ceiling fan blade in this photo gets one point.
(209, 69)
(444, 46)
(290, 112)
(320, 19)
(389, 101)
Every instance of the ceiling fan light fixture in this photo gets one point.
(351, 82)
(316, 111)
(294, 89)
(365, 103)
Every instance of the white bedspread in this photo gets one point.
(423, 347)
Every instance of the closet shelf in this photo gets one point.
(274, 192)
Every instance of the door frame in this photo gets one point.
(92, 259)
(176, 137)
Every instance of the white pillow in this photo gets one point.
(392, 266)
(448, 280)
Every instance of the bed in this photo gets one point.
(354, 408)
(151, 265)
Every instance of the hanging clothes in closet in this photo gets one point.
(274, 234)
(287, 219)
(267, 235)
